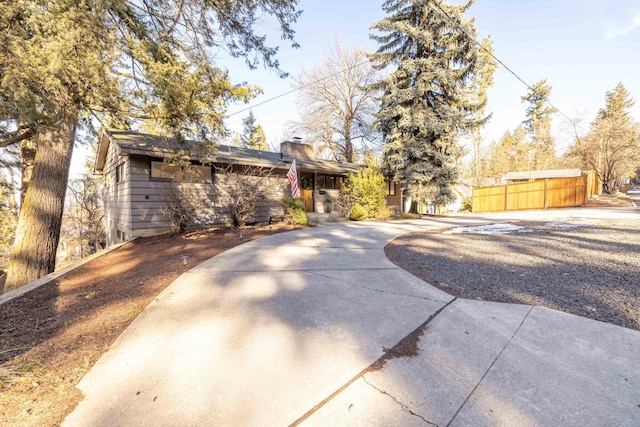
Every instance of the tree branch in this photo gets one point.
(12, 138)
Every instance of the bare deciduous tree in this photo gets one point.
(612, 149)
(337, 105)
(244, 190)
(612, 146)
(181, 206)
(83, 220)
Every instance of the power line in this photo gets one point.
(466, 33)
(300, 87)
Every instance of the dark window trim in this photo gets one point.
(337, 181)
(120, 172)
(391, 188)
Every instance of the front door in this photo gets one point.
(306, 180)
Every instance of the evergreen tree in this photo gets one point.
(486, 68)
(252, 134)
(431, 96)
(538, 123)
(510, 153)
(617, 103)
(121, 61)
(8, 216)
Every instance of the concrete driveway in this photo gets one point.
(317, 327)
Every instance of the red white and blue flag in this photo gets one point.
(292, 175)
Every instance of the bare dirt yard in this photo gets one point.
(50, 337)
(585, 267)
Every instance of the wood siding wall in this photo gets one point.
(117, 196)
(146, 200)
(542, 194)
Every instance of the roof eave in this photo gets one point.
(103, 149)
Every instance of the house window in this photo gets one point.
(120, 172)
(329, 182)
(191, 173)
(391, 188)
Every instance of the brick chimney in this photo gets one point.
(296, 148)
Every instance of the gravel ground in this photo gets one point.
(586, 267)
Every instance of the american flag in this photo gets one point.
(293, 179)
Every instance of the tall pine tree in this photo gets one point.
(538, 123)
(123, 62)
(617, 103)
(430, 99)
(252, 134)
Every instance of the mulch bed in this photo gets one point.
(50, 337)
(592, 270)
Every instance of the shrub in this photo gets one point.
(296, 210)
(358, 213)
(383, 214)
(406, 215)
(244, 190)
(180, 208)
(366, 188)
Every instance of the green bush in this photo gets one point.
(358, 213)
(406, 215)
(296, 210)
(366, 188)
(383, 213)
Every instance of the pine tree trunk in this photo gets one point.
(27, 157)
(38, 231)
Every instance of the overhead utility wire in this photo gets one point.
(300, 87)
(444, 12)
(506, 67)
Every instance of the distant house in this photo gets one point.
(526, 176)
(138, 181)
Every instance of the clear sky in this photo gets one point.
(583, 47)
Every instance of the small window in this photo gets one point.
(120, 172)
(391, 188)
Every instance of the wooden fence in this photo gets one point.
(541, 194)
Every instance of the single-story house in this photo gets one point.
(527, 176)
(139, 182)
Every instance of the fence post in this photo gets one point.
(506, 196)
(545, 194)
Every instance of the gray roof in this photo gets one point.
(533, 175)
(162, 146)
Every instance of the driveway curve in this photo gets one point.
(317, 327)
